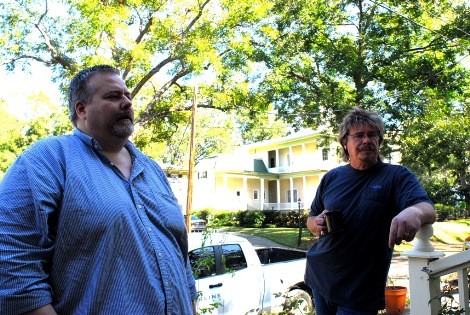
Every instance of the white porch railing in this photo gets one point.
(283, 206)
(426, 266)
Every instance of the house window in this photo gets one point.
(202, 174)
(255, 194)
(324, 154)
(295, 195)
(272, 162)
(238, 193)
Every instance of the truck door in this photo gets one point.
(224, 282)
(242, 285)
(203, 265)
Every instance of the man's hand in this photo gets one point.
(317, 224)
(407, 223)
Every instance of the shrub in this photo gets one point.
(254, 218)
(251, 218)
(224, 218)
(445, 212)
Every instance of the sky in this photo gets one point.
(18, 86)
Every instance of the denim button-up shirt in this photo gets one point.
(75, 233)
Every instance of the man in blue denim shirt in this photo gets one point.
(89, 224)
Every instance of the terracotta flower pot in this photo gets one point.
(395, 298)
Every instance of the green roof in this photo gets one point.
(259, 166)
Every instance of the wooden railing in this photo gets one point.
(426, 267)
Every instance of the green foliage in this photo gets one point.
(203, 265)
(224, 218)
(402, 59)
(255, 218)
(445, 212)
(16, 135)
(437, 147)
(250, 218)
(306, 61)
(328, 56)
(163, 49)
(285, 218)
(204, 214)
(9, 134)
(449, 306)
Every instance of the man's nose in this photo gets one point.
(126, 103)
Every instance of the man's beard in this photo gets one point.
(122, 131)
(123, 125)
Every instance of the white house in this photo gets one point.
(275, 174)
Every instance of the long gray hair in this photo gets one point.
(358, 116)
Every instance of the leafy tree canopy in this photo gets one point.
(309, 61)
(390, 56)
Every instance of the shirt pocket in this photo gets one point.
(167, 210)
(372, 206)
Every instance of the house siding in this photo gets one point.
(292, 163)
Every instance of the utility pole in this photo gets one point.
(189, 199)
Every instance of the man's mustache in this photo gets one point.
(125, 115)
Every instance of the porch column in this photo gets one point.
(304, 159)
(261, 194)
(225, 193)
(291, 158)
(304, 189)
(245, 193)
(278, 183)
(277, 160)
(423, 288)
(291, 184)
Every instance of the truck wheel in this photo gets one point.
(299, 302)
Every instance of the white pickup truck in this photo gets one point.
(233, 277)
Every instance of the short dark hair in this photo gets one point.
(355, 117)
(79, 89)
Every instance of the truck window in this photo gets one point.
(233, 258)
(202, 262)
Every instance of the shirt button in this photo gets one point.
(149, 229)
(139, 206)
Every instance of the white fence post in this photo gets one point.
(423, 288)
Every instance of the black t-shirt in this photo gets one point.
(350, 267)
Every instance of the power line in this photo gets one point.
(433, 31)
(384, 6)
(442, 20)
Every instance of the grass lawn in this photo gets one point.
(445, 233)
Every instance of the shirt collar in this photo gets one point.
(93, 143)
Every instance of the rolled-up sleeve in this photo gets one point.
(28, 195)
(191, 281)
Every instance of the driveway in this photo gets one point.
(257, 241)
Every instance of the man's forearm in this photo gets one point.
(45, 310)
(428, 213)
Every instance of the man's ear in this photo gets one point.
(80, 109)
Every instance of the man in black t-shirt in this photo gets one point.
(381, 205)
